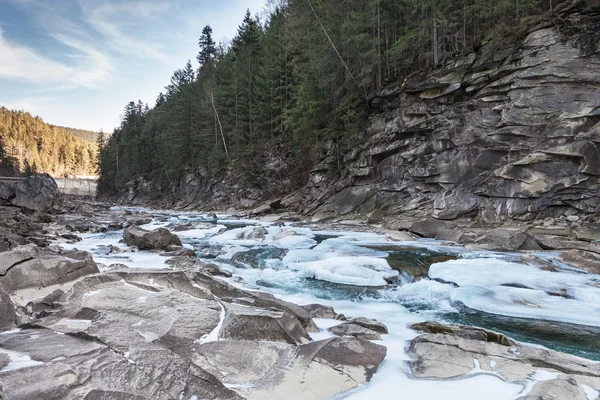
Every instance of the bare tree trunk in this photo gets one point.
(212, 101)
(436, 56)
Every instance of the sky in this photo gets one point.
(77, 63)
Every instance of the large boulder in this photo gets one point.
(157, 239)
(248, 323)
(38, 193)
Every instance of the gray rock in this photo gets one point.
(47, 269)
(245, 323)
(582, 259)
(321, 311)
(278, 371)
(7, 191)
(351, 329)
(179, 252)
(38, 193)
(68, 367)
(157, 239)
(453, 351)
(559, 388)
(369, 324)
(7, 312)
(491, 132)
(16, 256)
(257, 234)
(427, 228)
(452, 235)
(507, 239)
(215, 270)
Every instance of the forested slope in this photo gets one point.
(28, 144)
(258, 114)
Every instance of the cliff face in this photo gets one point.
(509, 132)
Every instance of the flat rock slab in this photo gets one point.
(453, 352)
(278, 371)
(47, 365)
(46, 269)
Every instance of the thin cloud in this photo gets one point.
(23, 63)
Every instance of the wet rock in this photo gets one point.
(582, 259)
(351, 329)
(38, 193)
(244, 323)
(158, 239)
(70, 236)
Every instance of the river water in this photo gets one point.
(531, 297)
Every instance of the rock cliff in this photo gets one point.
(509, 132)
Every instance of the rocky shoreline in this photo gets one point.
(74, 329)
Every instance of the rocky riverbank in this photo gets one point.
(73, 327)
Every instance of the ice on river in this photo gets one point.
(519, 290)
(357, 271)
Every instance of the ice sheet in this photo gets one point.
(358, 271)
(507, 288)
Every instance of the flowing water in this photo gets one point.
(397, 283)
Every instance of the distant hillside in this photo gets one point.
(28, 144)
(88, 136)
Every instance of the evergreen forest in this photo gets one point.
(29, 145)
(295, 81)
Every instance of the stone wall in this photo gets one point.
(77, 187)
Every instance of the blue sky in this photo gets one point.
(78, 62)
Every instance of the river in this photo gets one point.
(532, 297)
